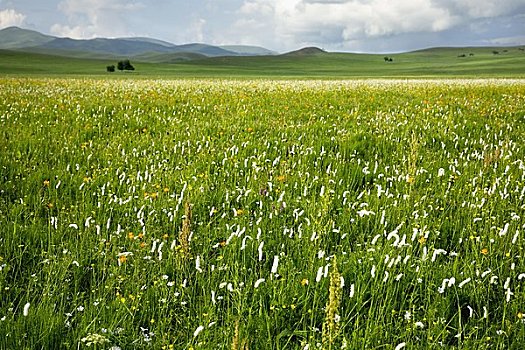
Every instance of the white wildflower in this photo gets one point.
(319, 274)
(436, 253)
(260, 250)
(26, 309)
(400, 346)
(275, 264)
(364, 212)
(197, 331)
(198, 264)
(258, 283)
(464, 282)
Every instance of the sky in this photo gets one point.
(281, 25)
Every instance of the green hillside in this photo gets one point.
(176, 57)
(13, 38)
(438, 62)
(24, 63)
(434, 62)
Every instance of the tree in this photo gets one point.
(125, 65)
(110, 68)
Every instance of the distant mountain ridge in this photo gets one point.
(15, 38)
(246, 50)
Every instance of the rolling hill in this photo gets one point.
(25, 52)
(305, 51)
(16, 38)
(431, 63)
(129, 48)
(31, 41)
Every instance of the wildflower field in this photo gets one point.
(371, 214)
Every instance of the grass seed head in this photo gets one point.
(332, 318)
(184, 235)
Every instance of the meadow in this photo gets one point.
(262, 214)
(479, 62)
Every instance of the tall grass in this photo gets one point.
(262, 214)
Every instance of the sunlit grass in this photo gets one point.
(262, 214)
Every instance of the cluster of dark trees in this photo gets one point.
(388, 59)
(121, 66)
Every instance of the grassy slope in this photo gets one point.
(22, 63)
(15, 38)
(432, 62)
(435, 62)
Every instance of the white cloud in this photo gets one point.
(72, 32)
(256, 7)
(94, 18)
(481, 8)
(196, 30)
(511, 40)
(10, 18)
(346, 22)
(93, 6)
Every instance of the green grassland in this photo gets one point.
(441, 62)
(261, 214)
